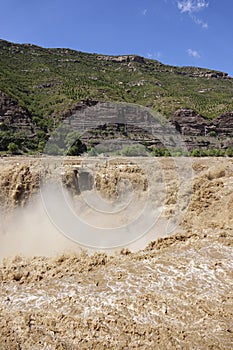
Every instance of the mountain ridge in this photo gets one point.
(113, 56)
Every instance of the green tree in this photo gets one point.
(76, 149)
(13, 148)
(196, 153)
(229, 152)
(134, 151)
(160, 152)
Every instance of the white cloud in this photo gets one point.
(193, 53)
(144, 12)
(191, 6)
(200, 22)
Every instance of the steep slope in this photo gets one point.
(50, 82)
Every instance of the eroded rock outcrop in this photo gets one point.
(13, 116)
(201, 133)
(224, 124)
(205, 74)
(122, 59)
(188, 122)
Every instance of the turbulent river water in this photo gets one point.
(169, 286)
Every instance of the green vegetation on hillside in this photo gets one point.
(48, 82)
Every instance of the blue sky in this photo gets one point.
(176, 32)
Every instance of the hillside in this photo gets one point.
(46, 83)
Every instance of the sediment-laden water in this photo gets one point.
(173, 291)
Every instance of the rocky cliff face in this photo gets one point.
(118, 123)
(199, 132)
(223, 125)
(13, 116)
(115, 123)
(122, 59)
(188, 122)
(206, 74)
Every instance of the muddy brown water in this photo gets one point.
(169, 292)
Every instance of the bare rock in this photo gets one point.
(12, 115)
(189, 122)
